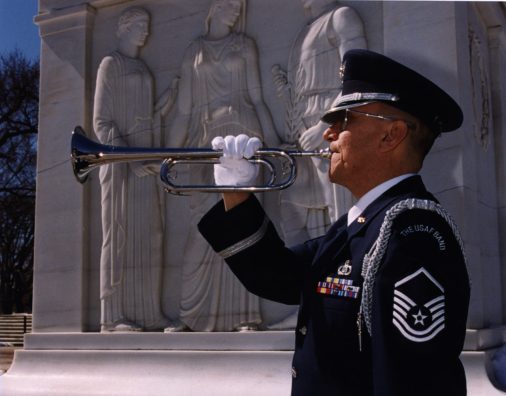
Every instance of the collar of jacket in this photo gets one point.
(411, 187)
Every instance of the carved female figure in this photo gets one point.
(131, 257)
(219, 94)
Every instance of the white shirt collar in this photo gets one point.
(357, 209)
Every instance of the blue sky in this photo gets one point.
(17, 29)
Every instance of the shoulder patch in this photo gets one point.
(425, 229)
(419, 306)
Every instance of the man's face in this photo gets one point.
(355, 148)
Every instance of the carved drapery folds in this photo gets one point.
(218, 94)
(480, 84)
(132, 256)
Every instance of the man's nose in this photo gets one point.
(330, 134)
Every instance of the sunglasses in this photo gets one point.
(343, 118)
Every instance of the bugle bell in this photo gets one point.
(87, 155)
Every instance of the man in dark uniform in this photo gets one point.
(384, 294)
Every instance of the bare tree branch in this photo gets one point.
(19, 90)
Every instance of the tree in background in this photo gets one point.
(19, 97)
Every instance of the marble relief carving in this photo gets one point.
(307, 88)
(219, 94)
(132, 254)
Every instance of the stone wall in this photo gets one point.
(461, 46)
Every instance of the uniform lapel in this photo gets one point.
(412, 186)
(334, 241)
(339, 236)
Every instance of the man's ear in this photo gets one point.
(393, 135)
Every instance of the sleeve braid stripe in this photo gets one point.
(373, 258)
(247, 242)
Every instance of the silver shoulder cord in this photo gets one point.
(373, 258)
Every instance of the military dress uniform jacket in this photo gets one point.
(413, 303)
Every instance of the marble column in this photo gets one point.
(59, 291)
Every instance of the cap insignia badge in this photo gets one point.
(341, 71)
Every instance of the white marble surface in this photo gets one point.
(148, 373)
(208, 364)
(76, 37)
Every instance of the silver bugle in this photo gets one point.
(87, 154)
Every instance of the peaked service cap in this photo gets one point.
(371, 77)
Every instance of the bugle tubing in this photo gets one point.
(87, 154)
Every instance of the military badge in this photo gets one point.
(345, 269)
(419, 306)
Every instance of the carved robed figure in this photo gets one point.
(132, 254)
(219, 94)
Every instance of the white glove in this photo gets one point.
(234, 169)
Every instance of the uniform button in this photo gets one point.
(303, 330)
(294, 372)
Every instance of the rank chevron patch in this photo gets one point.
(419, 306)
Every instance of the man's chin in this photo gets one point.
(333, 179)
(336, 178)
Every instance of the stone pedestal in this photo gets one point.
(184, 364)
(211, 364)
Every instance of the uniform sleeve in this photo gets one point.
(420, 301)
(248, 241)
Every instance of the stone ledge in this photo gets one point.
(476, 340)
(194, 341)
(483, 339)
